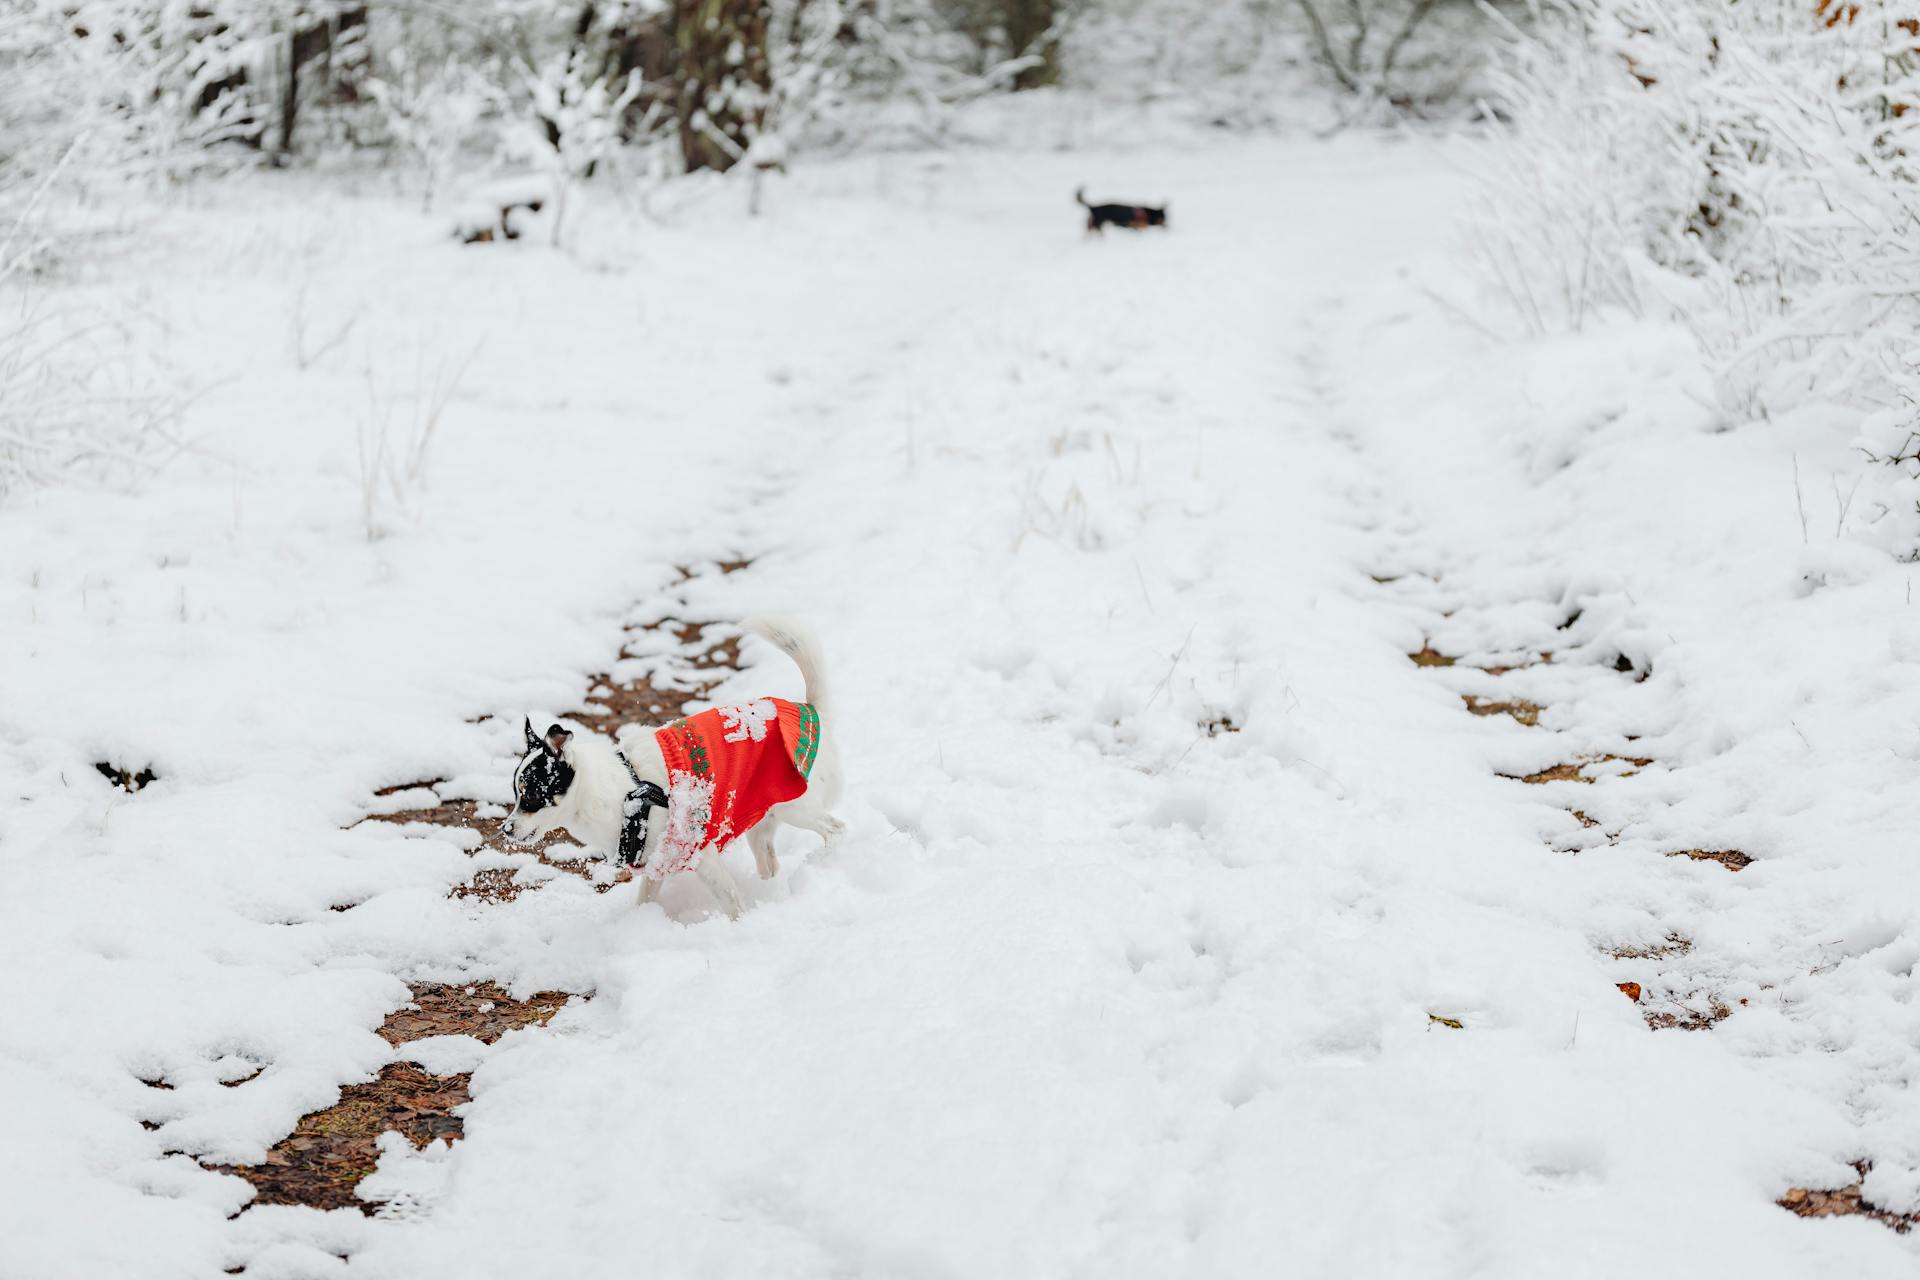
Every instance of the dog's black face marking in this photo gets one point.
(540, 781)
(544, 775)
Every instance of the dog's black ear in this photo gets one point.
(533, 739)
(556, 739)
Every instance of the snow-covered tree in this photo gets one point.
(1002, 30)
(723, 78)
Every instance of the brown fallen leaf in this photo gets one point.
(1629, 989)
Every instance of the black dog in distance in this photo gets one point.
(1134, 217)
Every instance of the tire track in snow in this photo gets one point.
(1531, 665)
(1524, 685)
(1678, 984)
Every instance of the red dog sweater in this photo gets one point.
(727, 767)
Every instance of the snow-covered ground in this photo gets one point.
(1168, 873)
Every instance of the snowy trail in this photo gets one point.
(1164, 860)
(1168, 874)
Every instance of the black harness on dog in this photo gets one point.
(638, 807)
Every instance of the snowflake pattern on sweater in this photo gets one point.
(748, 721)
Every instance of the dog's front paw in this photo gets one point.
(832, 828)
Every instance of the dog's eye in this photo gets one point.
(542, 784)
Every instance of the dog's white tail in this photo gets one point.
(797, 641)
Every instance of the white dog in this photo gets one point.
(671, 798)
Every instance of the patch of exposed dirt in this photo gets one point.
(1556, 773)
(650, 699)
(1214, 726)
(493, 884)
(1688, 1018)
(1675, 945)
(482, 1010)
(1731, 859)
(1431, 657)
(1577, 770)
(321, 1163)
(634, 702)
(1846, 1202)
(1627, 667)
(424, 784)
(1526, 713)
(689, 572)
(124, 778)
(721, 655)
(323, 1160)
(1542, 659)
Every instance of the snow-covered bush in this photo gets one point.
(576, 124)
(393, 445)
(1588, 184)
(430, 110)
(148, 87)
(1749, 170)
(92, 96)
(1743, 166)
(76, 401)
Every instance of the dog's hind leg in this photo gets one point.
(720, 882)
(760, 840)
(809, 818)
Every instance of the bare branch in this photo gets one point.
(1324, 45)
(1415, 16)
